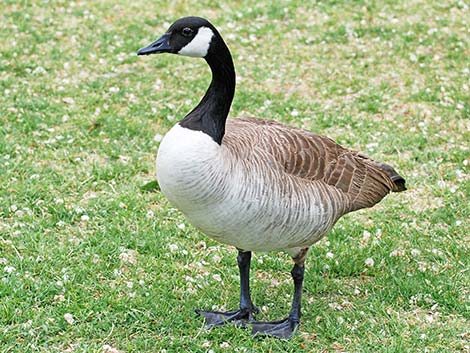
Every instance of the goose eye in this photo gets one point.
(187, 31)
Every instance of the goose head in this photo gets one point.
(188, 36)
(197, 37)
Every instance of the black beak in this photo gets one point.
(161, 45)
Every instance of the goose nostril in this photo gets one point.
(161, 45)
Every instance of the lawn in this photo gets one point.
(94, 259)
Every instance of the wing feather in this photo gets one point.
(362, 181)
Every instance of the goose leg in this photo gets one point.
(247, 308)
(286, 328)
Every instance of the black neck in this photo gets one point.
(210, 114)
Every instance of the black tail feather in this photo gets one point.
(397, 179)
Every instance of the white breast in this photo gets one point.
(234, 201)
(184, 166)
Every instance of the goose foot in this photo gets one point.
(247, 308)
(280, 329)
(218, 318)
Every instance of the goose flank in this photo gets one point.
(256, 184)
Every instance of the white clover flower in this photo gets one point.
(108, 349)
(39, 71)
(129, 256)
(396, 253)
(69, 318)
(68, 100)
(335, 306)
(9, 269)
(59, 298)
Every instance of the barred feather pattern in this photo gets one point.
(310, 157)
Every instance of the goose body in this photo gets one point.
(253, 183)
(223, 189)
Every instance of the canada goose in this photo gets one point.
(256, 184)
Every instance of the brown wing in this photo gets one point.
(364, 180)
(313, 157)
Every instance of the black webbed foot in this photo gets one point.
(281, 329)
(218, 318)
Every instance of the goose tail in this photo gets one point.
(398, 181)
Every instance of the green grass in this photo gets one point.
(80, 116)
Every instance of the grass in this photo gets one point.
(81, 116)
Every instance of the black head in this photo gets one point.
(197, 37)
(190, 36)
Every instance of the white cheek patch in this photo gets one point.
(199, 46)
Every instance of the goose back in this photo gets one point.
(362, 181)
